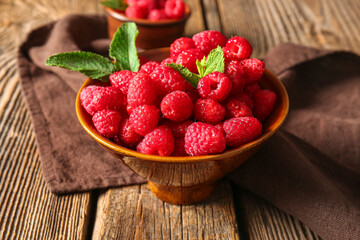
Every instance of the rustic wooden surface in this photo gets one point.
(29, 211)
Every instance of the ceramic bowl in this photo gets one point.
(187, 180)
(152, 34)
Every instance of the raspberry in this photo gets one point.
(193, 94)
(237, 48)
(264, 101)
(158, 142)
(208, 110)
(254, 69)
(252, 89)
(236, 73)
(208, 40)
(215, 85)
(144, 119)
(142, 60)
(121, 80)
(135, 11)
(188, 59)
(96, 98)
(243, 97)
(203, 138)
(141, 91)
(149, 67)
(180, 45)
(157, 14)
(237, 108)
(239, 131)
(176, 106)
(174, 8)
(179, 147)
(178, 129)
(167, 80)
(107, 122)
(127, 135)
(167, 61)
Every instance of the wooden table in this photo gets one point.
(29, 211)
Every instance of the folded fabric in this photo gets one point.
(310, 168)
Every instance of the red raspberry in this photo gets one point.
(96, 98)
(239, 131)
(237, 48)
(254, 69)
(176, 106)
(168, 61)
(144, 119)
(208, 40)
(252, 89)
(127, 135)
(193, 94)
(107, 122)
(141, 91)
(157, 14)
(215, 85)
(158, 142)
(188, 59)
(208, 110)
(264, 101)
(180, 45)
(121, 80)
(167, 80)
(135, 11)
(149, 67)
(203, 138)
(243, 97)
(178, 129)
(179, 147)
(174, 8)
(236, 73)
(237, 108)
(142, 60)
(149, 4)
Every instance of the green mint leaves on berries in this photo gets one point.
(122, 50)
(215, 62)
(115, 4)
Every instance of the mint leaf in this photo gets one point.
(115, 4)
(123, 49)
(92, 65)
(215, 61)
(201, 66)
(191, 77)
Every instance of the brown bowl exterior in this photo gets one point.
(152, 34)
(178, 179)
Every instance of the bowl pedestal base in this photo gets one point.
(182, 195)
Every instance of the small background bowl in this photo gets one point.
(152, 34)
(187, 180)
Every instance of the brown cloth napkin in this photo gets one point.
(310, 168)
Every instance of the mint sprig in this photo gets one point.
(115, 4)
(214, 62)
(189, 76)
(92, 65)
(122, 50)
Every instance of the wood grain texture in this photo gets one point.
(265, 221)
(135, 213)
(27, 209)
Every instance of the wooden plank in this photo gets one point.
(196, 22)
(135, 213)
(264, 221)
(27, 209)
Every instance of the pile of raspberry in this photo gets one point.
(156, 111)
(155, 10)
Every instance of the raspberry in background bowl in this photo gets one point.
(152, 34)
(187, 180)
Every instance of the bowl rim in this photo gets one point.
(184, 159)
(145, 22)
